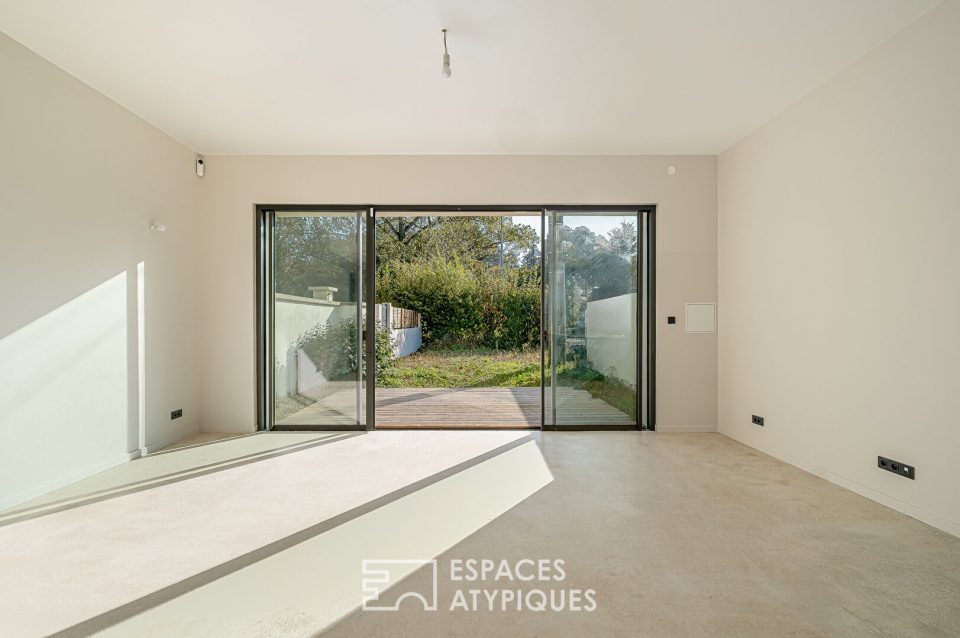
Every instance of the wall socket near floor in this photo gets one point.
(896, 467)
(757, 420)
(176, 414)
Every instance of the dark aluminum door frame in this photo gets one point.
(646, 254)
(264, 310)
(265, 216)
(370, 294)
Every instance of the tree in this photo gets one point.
(596, 267)
(315, 251)
(474, 240)
(404, 230)
(623, 239)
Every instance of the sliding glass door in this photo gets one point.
(595, 325)
(455, 313)
(315, 319)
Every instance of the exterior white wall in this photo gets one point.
(295, 316)
(406, 341)
(611, 329)
(686, 247)
(81, 180)
(292, 318)
(839, 294)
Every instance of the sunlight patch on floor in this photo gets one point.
(113, 553)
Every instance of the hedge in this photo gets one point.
(466, 307)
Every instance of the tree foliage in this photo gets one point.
(449, 269)
(333, 349)
(594, 267)
(464, 306)
(315, 251)
(475, 241)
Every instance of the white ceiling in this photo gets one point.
(529, 76)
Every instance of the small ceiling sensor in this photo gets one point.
(160, 228)
(671, 170)
(199, 167)
(445, 70)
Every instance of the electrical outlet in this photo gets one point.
(757, 420)
(176, 414)
(896, 467)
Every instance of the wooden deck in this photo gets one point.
(458, 408)
(468, 408)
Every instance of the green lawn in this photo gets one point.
(464, 369)
(486, 369)
(499, 369)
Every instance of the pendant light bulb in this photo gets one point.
(445, 70)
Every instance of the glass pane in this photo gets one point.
(592, 303)
(552, 308)
(318, 354)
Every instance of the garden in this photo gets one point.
(475, 281)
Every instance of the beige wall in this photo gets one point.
(80, 180)
(840, 275)
(687, 240)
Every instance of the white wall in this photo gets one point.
(839, 290)
(80, 180)
(611, 329)
(686, 240)
(293, 317)
(406, 341)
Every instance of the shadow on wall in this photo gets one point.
(69, 382)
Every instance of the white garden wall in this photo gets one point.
(406, 341)
(611, 327)
(294, 316)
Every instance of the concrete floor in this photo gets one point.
(200, 438)
(697, 535)
(678, 534)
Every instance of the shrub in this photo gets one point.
(479, 307)
(333, 349)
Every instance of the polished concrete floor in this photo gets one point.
(677, 534)
(697, 535)
(200, 438)
(150, 531)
